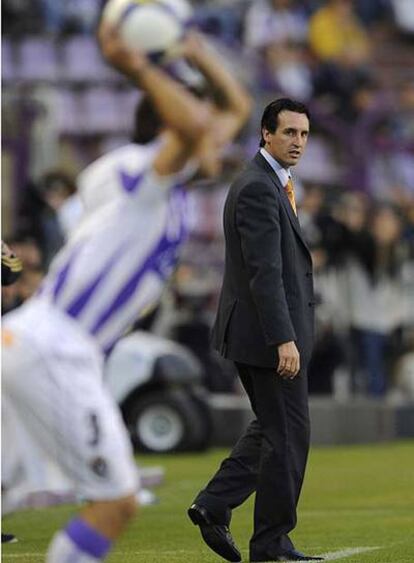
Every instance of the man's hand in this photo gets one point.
(129, 62)
(289, 360)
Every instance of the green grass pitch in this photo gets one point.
(357, 505)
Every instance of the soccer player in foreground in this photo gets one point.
(111, 270)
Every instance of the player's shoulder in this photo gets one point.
(121, 156)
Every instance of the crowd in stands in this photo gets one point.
(352, 62)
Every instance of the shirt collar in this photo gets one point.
(282, 173)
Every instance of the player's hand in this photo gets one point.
(289, 360)
(193, 46)
(129, 62)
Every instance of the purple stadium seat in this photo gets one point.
(8, 65)
(82, 60)
(101, 111)
(38, 59)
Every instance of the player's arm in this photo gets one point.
(233, 102)
(183, 114)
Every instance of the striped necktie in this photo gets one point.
(290, 192)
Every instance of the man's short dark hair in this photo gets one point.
(270, 117)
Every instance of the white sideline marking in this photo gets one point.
(347, 552)
(349, 512)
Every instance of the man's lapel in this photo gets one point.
(262, 162)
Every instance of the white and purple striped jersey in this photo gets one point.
(115, 266)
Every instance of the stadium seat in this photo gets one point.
(8, 65)
(82, 60)
(37, 59)
(101, 110)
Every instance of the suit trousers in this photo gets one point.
(269, 459)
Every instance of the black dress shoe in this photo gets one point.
(291, 555)
(217, 536)
(8, 538)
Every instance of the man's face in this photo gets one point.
(288, 142)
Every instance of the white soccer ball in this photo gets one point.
(151, 26)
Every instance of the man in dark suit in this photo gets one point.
(265, 325)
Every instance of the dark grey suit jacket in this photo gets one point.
(267, 294)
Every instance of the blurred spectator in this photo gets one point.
(360, 258)
(277, 31)
(190, 321)
(60, 194)
(274, 21)
(336, 35)
(374, 13)
(52, 16)
(325, 239)
(50, 210)
(373, 275)
(313, 199)
(402, 120)
(70, 16)
(341, 227)
(343, 49)
(221, 21)
(350, 108)
(392, 165)
(20, 17)
(328, 353)
(347, 92)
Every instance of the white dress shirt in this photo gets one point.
(282, 173)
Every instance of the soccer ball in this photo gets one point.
(152, 26)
